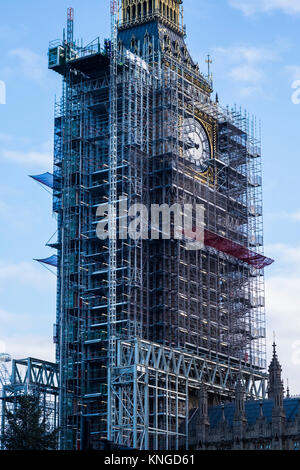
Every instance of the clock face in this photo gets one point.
(196, 144)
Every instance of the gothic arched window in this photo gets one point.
(150, 6)
(167, 43)
(134, 45)
(148, 44)
(176, 49)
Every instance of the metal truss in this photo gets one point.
(150, 373)
(31, 373)
(31, 376)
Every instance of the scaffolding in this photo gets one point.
(31, 377)
(4, 379)
(112, 214)
(140, 322)
(156, 387)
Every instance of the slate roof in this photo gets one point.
(252, 408)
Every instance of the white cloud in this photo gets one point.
(290, 216)
(296, 216)
(284, 300)
(5, 138)
(13, 139)
(283, 317)
(246, 73)
(287, 256)
(32, 65)
(12, 319)
(283, 308)
(250, 54)
(249, 7)
(249, 90)
(26, 274)
(293, 71)
(18, 340)
(42, 156)
(38, 347)
(245, 65)
(30, 158)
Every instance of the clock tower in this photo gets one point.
(144, 321)
(154, 30)
(156, 26)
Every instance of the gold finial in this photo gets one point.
(209, 62)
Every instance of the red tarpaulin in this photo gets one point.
(231, 248)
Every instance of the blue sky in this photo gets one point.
(256, 59)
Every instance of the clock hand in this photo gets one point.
(190, 145)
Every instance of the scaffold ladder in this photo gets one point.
(114, 8)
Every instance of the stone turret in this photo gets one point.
(276, 393)
(202, 419)
(231, 428)
(276, 388)
(240, 414)
(240, 420)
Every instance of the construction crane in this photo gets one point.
(70, 26)
(70, 33)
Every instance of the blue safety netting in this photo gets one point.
(45, 178)
(51, 261)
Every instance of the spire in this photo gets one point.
(276, 388)
(288, 394)
(240, 420)
(203, 405)
(240, 414)
(202, 417)
(261, 421)
(275, 382)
